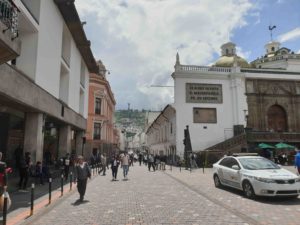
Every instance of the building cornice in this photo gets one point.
(98, 79)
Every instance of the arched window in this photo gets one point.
(272, 49)
(227, 51)
(277, 119)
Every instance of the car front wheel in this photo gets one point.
(217, 181)
(248, 190)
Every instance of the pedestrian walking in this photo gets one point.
(95, 158)
(114, 167)
(151, 162)
(163, 160)
(125, 161)
(3, 183)
(39, 173)
(131, 160)
(66, 164)
(25, 164)
(140, 158)
(4, 170)
(103, 164)
(82, 173)
(297, 161)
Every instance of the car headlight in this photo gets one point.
(297, 179)
(265, 180)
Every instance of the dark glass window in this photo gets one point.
(233, 162)
(98, 106)
(97, 131)
(225, 162)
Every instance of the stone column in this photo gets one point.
(34, 136)
(79, 135)
(65, 136)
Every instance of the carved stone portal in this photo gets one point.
(273, 105)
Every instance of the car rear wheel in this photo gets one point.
(248, 190)
(217, 181)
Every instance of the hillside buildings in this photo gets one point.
(217, 102)
(44, 89)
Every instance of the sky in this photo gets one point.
(137, 40)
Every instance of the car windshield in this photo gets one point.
(258, 164)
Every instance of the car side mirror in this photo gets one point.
(235, 167)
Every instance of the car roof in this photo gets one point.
(244, 157)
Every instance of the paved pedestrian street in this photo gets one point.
(166, 197)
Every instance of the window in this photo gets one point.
(97, 131)
(272, 49)
(98, 106)
(171, 128)
(233, 162)
(82, 74)
(64, 84)
(66, 45)
(225, 162)
(81, 101)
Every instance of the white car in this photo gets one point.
(255, 175)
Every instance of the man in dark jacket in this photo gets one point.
(82, 173)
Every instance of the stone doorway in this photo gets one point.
(277, 119)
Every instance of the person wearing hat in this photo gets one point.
(82, 173)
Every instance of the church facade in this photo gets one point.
(217, 102)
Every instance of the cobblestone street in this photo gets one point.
(170, 197)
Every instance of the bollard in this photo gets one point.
(203, 167)
(71, 180)
(180, 167)
(62, 185)
(32, 199)
(50, 187)
(5, 206)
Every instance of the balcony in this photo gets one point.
(9, 43)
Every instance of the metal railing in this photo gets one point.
(9, 17)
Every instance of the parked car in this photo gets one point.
(255, 175)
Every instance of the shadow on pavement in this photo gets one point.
(285, 200)
(79, 202)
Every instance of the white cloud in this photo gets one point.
(243, 54)
(289, 36)
(298, 52)
(138, 40)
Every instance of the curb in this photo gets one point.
(42, 205)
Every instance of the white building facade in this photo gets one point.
(216, 102)
(46, 86)
(161, 134)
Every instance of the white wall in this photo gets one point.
(49, 58)
(26, 62)
(229, 113)
(49, 48)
